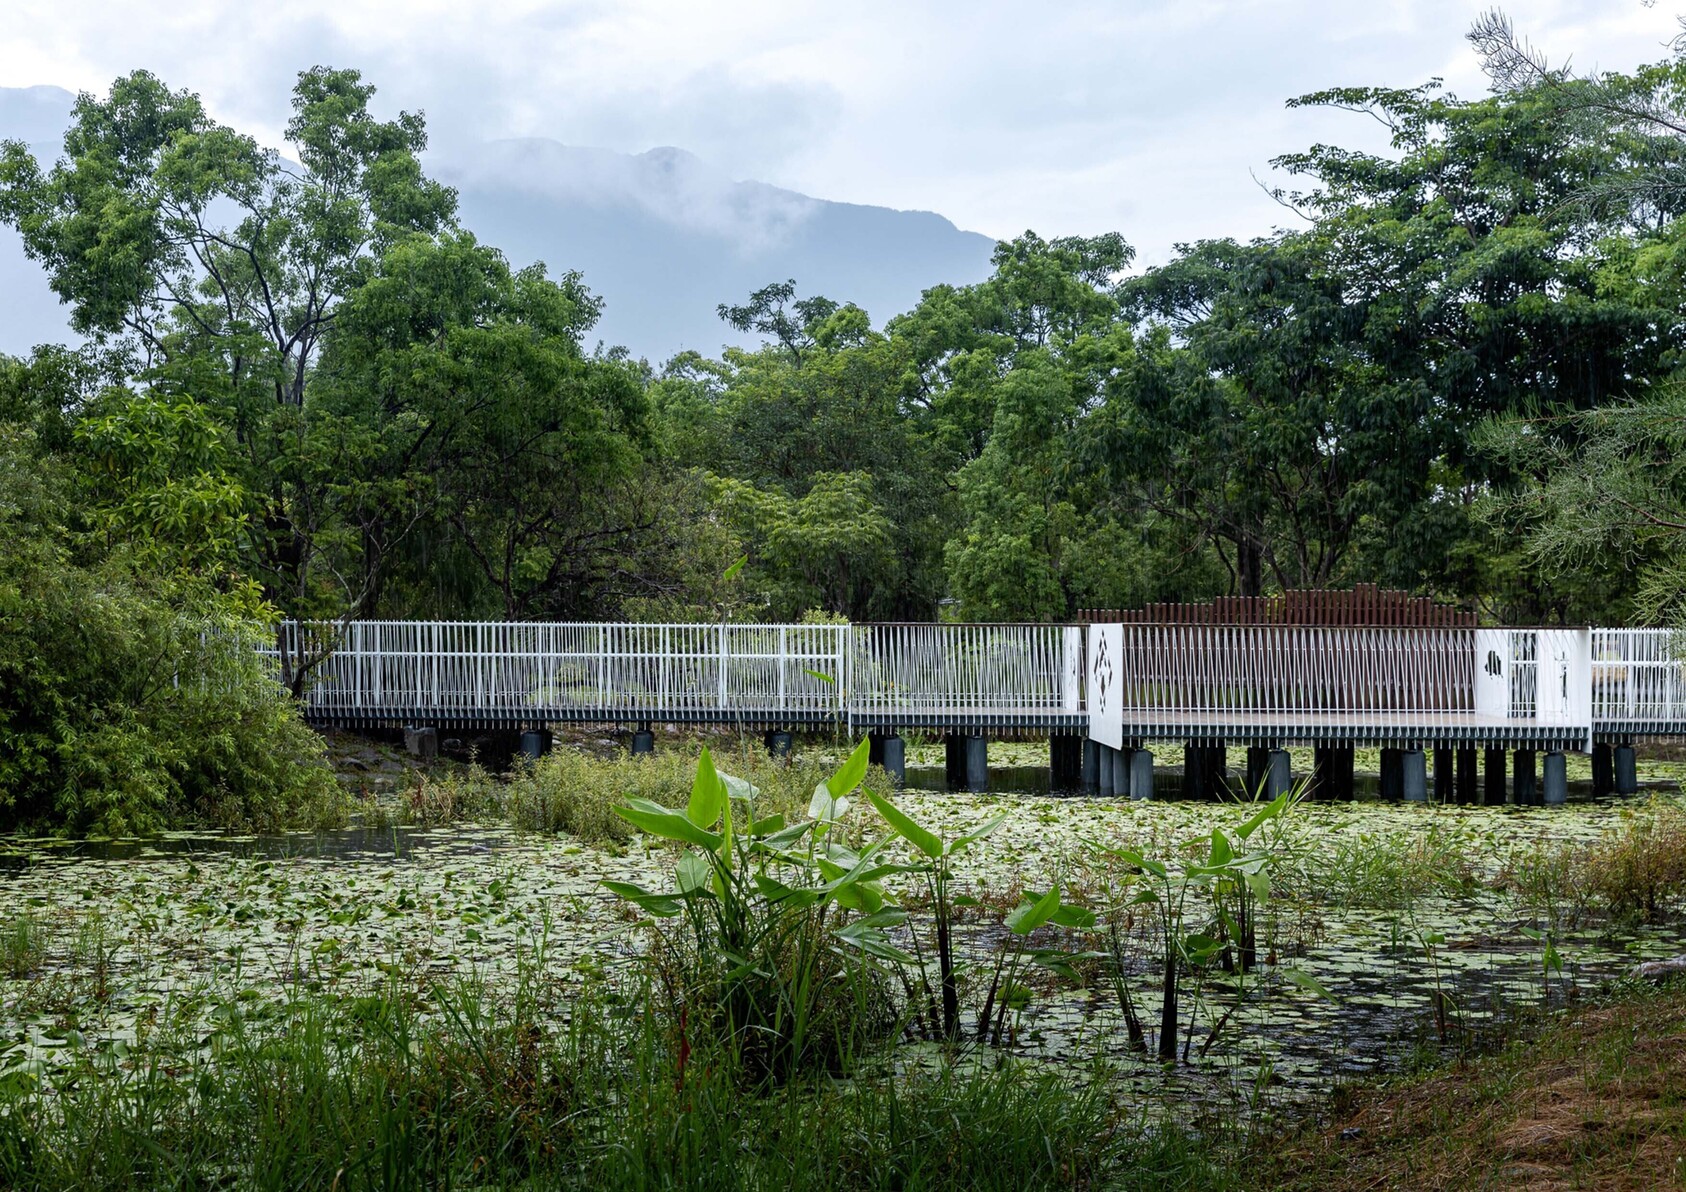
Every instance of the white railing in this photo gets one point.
(1638, 676)
(1277, 672)
(610, 669)
(1010, 671)
(1157, 675)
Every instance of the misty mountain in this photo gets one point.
(662, 236)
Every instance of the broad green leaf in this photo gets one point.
(851, 772)
(825, 806)
(820, 675)
(1028, 916)
(1269, 811)
(1078, 918)
(708, 793)
(1221, 853)
(975, 835)
(664, 906)
(693, 873)
(921, 839)
(1308, 983)
(656, 820)
(731, 572)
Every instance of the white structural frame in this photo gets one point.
(1554, 688)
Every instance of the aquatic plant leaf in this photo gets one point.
(708, 793)
(1028, 916)
(664, 906)
(1221, 854)
(975, 835)
(693, 873)
(920, 838)
(850, 774)
(1307, 982)
(1078, 918)
(1264, 814)
(656, 820)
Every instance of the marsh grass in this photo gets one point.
(1640, 870)
(23, 945)
(574, 792)
(463, 1086)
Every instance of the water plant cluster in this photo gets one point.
(1091, 982)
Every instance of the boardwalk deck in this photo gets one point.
(1252, 683)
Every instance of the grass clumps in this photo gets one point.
(1596, 1100)
(536, 1086)
(571, 791)
(23, 945)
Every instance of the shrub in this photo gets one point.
(1641, 868)
(133, 701)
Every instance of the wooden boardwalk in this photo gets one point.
(1190, 680)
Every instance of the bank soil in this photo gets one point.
(1597, 1100)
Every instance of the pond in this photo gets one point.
(1399, 911)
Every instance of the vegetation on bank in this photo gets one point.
(1592, 1098)
(849, 992)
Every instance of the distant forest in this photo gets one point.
(309, 391)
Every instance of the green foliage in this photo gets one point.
(133, 701)
(784, 923)
(458, 1085)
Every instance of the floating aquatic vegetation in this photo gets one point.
(187, 926)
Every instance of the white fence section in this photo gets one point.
(1177, 674)
(1149, 680)
(923, 673)
(1638, 677)
(514, 670)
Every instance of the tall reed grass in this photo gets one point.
(467, 1087)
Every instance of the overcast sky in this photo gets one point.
(1144, 117)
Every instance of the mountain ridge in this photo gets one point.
(663, 236)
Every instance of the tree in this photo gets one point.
(213, 271)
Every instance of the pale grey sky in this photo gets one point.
(1147, 118)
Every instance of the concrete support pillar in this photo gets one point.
(954, 762)
(977, 763)
(1065, 762)
(1194, 770)
(1107, 775)
(1217, 771)
(1556, 784)
(1331, 772)
(895, 759)
(875, 748)
(1413, 775)
(1121, 772)
(1443, 779)
(535, 743)
(1627, 770)
(1526, 784)
(1279, 774)
(1258, 761)
(421, 742)
(1603, 771)
(643, 741)
(1203, 769)
(1393, 775)
(780, 742)
(1466, 774)
(1493, 779)
(1141, 774)
(1091, 764)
